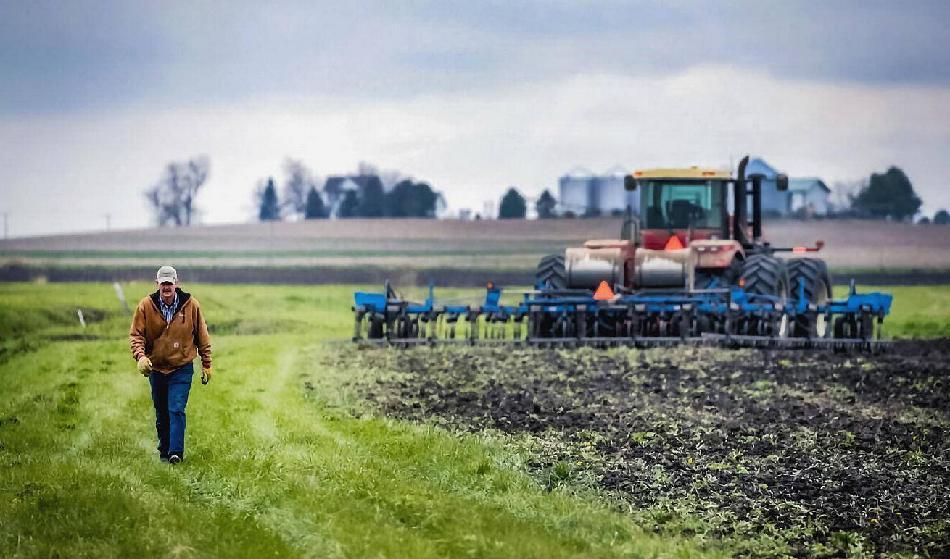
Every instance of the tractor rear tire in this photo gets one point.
(763, 274)
(817, 291)
(551, 272)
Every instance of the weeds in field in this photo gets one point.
(778, 454)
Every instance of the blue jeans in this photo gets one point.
(170, 395)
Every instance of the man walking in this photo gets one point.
(168, 331)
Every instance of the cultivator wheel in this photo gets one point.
(376, 327)
(447, 327)
(812, 275)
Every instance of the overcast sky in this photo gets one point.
(97, 97)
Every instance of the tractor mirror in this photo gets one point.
(629, 183)
(781, 182)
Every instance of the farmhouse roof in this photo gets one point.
(758, 165)
(339, 183)
(807, 183)
(334, 185)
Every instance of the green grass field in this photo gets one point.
(273, 468)
(917, 312)
(269, 470)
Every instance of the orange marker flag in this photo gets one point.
(673, 244)
(603, 293)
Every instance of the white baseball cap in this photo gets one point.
(166, 273)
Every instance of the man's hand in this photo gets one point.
(205, 375)
(144, 365)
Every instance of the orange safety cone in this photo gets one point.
(674, 243)
(604, 292)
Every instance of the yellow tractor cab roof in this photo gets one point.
(682, 173)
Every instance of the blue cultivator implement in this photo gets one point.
(569, 318)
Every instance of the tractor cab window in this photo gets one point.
(680, 204)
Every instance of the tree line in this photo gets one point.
(303, 195)
(515, 206)
(887, 195)
(371, 193)
(362, 194)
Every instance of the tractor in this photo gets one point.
(697, 229)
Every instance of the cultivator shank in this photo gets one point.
(570, 318)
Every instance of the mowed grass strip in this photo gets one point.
(916, 312)
(270, 469)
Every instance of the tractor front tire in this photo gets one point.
(551, 272)
(817, 288)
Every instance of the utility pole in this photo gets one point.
(5, 226)
(108, 221)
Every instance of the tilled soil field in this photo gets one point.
(774, 453)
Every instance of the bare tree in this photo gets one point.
(844, 193)
(173, 197)
(364, 168)
(300, 180)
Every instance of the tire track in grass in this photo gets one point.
(85, 487)
(336, 477)
(497, 491)
(279, 422)
(266, 472)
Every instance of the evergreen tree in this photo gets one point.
(941, 217)
(269, 208)
(314, 208)
(513, 205)
(546, 205)
(372, 198)
(888, 195)
(349, 206)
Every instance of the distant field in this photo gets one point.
(426, 244)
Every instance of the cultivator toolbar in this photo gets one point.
(727, 316)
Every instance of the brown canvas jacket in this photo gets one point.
(174, 344)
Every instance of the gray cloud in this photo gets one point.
(58, 56)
